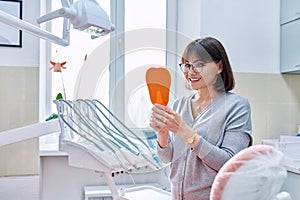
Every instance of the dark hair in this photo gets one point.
(209, 49)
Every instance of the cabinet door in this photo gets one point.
(290, 10)
(290, 47)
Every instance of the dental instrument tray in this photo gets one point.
(89, 125)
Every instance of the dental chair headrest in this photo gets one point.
(253, 173)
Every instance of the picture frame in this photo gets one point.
(10, 36)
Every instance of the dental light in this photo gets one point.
(84, 15)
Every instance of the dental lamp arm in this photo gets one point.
(25, 26)
(62, 12)
(67, 13)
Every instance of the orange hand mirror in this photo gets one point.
(158, 80)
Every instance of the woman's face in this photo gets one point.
(201, 75)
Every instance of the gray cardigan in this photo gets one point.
(225, 129)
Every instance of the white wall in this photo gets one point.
(189, 18)
(28, 55)
(249, 30)
(19, 187)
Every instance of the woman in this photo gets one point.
(204, 130)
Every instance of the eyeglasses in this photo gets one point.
(197, 67)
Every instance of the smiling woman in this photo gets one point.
(200, 132)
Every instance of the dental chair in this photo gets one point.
(95, 139)
(255, 173)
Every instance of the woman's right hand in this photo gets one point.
(158, 124)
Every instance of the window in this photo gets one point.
(140, 25)
(145, 44)
(68, 82)
(81, 47)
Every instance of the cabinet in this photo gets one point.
(290, 36)
(290, 47)
(289, 10)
